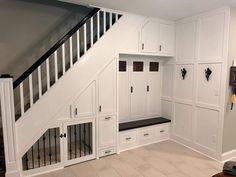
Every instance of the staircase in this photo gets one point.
(47, 70)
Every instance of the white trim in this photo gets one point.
(228, 155)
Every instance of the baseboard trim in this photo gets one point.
(228, 155)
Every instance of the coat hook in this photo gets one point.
(183, 72)
(208, 73)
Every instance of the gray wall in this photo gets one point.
(229, 140)
(29, 28)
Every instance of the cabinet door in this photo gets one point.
(79, 141)
(150, 37)
(107, 89)
(124, 91)
(138, 89)
(153, 88)
(107, 131)
(85, 102)
(167, 39)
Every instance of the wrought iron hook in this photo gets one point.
(208, 73)
(183, 72)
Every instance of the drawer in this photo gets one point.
(128, 139)
(162, 131)
(107, 151)
(146, 135)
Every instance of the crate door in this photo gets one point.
(79, 141)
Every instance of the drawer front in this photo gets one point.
(146, 135)
(162, 131)
(128, 139)
(107, 151)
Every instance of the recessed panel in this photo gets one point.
(211, 37)
(186, 41)
(166, 109)
(208, 88)
(167, 80)
(184, 82)
(206, 128)
(183, 121)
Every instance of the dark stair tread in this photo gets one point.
(142, 123)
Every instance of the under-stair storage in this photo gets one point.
(72, 142)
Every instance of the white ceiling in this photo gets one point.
(167, 9)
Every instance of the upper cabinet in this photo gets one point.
(157, 38)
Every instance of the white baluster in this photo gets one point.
(31, 90)
(56, 66)
(98, 25)
(78, 46)
(22, 101)
(104, 22)
(110, 19)
(39, 82)
(63, 59)
(71, 52)
(48, 74)
(116, 17)
(85, 37)
(91, 30)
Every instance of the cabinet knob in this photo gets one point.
(142, 46)
(108, 151)
(146, 134)
(76, 111)
(107, 118)
(160, 48)
(162, 131)
(129, 138)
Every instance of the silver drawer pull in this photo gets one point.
(162, 131)
(129, 138)
(108, 151)
(107, 118)
(146, 134)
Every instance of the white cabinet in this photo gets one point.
(158, 38)
(106, 132)
(142, 136)
(150, 37)
(107, 90)
(139, 88)
(84, 105)
(167, 39)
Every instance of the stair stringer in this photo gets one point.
(123, 36)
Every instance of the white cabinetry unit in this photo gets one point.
(107, 118)
(130, 139)
(158, 38)
(139, 88)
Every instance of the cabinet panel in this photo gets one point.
(128, 139)
(124, 96)
(150, 37)
(85, 102)
(184, 87)
(107, 131)
(186, 41)
(206, 128)
(153, 90)
(167, 80)
(138, 92)
(166, 109)
(146, 135)
(211, 37)
(107, 86)
(208, 92)
(183, 121)
(167, 36)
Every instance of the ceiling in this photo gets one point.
(167, 9)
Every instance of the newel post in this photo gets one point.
(8, 123)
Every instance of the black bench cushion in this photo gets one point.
(142, 123)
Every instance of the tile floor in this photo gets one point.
(165, 159)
